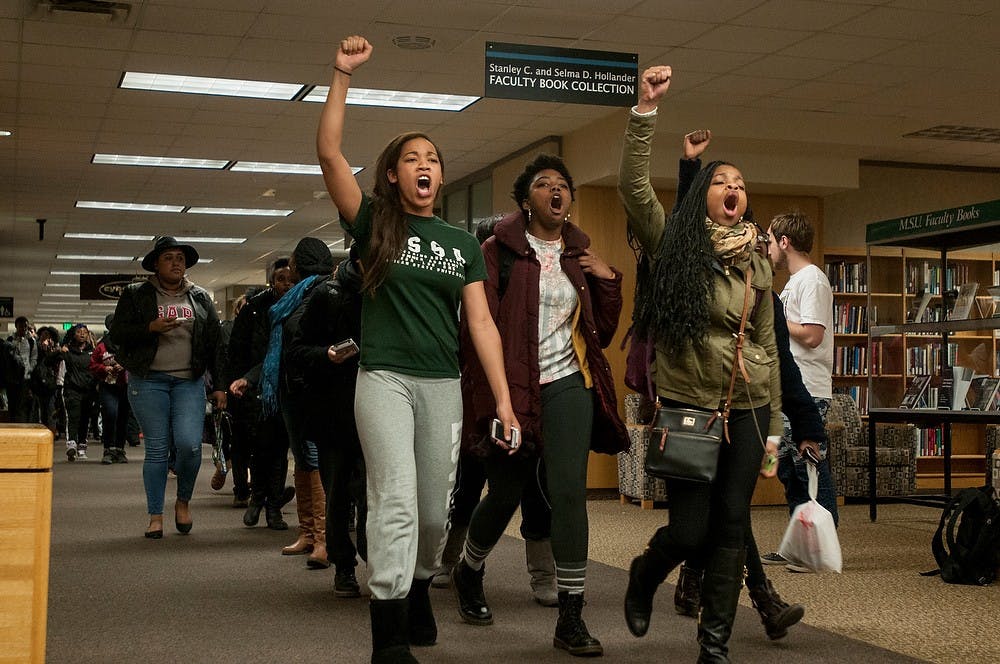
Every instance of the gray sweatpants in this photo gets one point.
(410, 429)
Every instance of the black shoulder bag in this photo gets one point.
(685, 442)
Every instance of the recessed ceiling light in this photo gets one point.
(397, 99)
(75, 296)
(212, 240)
(93, 257)
(64, 273)
(134, 207)
(273, 167)
(55, 285)
(167, 162)
(108, 236)
(202, 85)
(4, 132)
(248, 212)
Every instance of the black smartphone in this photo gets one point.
(497, 433)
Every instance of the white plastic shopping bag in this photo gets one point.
(811, 537)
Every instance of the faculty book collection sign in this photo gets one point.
(572, 76)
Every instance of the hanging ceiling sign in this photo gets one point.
(571, 76)
(106, 286)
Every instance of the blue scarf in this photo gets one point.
(279, 313)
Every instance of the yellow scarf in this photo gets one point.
(733, 244)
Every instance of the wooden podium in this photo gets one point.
(25, 518)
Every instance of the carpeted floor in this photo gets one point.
(224, 594)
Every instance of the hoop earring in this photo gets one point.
(529, 215)
(566, 218)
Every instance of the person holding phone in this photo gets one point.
(167, 332)
(558, 310)
(418, 272)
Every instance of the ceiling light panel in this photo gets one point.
(202, 85)
(108, 236)
(133, 207)
(247, 212)
(166, 162)
(93, 257)
(212, 240)
(273, 167)
(397, 99)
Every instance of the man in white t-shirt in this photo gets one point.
(808, 304)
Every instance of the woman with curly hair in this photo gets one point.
(690, 303)
(418, 271)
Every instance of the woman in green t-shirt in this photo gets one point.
(418, 271)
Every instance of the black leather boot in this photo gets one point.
(720, 594)
(571, 632)
(252, 515)
(687, 596)
(645, 575)
(274, 519)
(423, 628)
(776, 614)
(468, 584)
(389, 634)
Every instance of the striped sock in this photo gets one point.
(475, 555)
(570, 577)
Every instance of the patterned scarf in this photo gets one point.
(733, 244)
(279, 313)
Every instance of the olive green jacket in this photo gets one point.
(702, 380)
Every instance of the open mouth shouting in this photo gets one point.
(424, 185)
(731, 202)
(556, 204)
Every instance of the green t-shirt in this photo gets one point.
(411, 324)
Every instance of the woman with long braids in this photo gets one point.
(418, 271)
(690, 303)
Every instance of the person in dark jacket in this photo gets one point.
(311, 262)
(559, 310)
(264, 438)
(45, 374)
(112, 382)
(167, 332)
(323, 381)
(79, 390)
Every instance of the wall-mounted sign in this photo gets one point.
(106, 286)
(968, 218)
(573, 76)
(6, 307)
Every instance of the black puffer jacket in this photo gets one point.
(137, 345)
(249, 338)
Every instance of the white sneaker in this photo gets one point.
(81, 453)
(70, 450)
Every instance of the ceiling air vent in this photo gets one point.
(958, 133)
(91, 11)
(413, 42)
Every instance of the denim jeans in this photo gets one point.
(169, 409)
(114, 414)
(793, 474)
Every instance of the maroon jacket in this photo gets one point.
(516, 317)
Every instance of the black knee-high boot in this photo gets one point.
(423, 627)
(720, 594)
(645, 575)
(390, 644)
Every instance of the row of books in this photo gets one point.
(927, 359)
(857, 392)
(958, 389)
(928, 275)
(847, 277)
(850, 360)
(930, 442)
(851, 318)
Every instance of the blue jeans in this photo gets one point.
(169, 410)
(793, 474)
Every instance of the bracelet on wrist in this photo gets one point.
(342, 71)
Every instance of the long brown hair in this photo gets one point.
(389, 225)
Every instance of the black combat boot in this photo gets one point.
(389, 641)
(468, 584)
(687, 596)
(776, 614)
(645, 575)
(423, 628)
(571, 632)
(720, 594)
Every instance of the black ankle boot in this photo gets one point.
(274, 519)
(389, 642)
(468, 584)
(252, 516)
(720, 593)
(776, 614)
(687, 596)
(423, 628)
(645, 575)
(571, 632)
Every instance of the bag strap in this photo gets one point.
(738, 358)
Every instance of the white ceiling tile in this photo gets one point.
(63, 75)
(799, 14)
(192, 45)
(779, 66)
(849, 48)
(549, 23)
(196, 20)
(72, 56)
(875, 74)
(891, 22)
(444, 14)
(10, 30)
(742, 39)
(684, 59)
(660, 33)
(62, 34)
(287, 50)
(718, 11)
(10, 51)
(738, 86)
